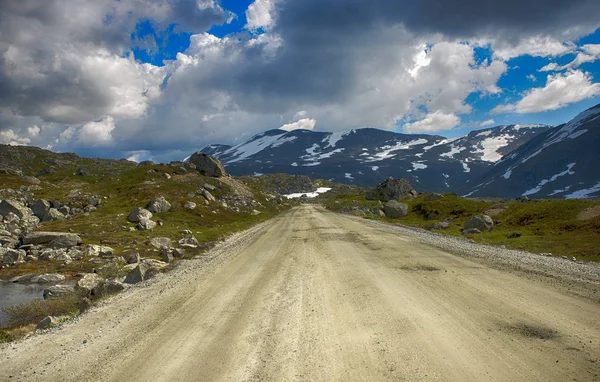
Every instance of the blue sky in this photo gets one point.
(157, 78)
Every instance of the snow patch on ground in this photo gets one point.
(585, 193)
(538, 188)
(314, 194)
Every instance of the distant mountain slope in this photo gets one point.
(561, 162)
(366, 156)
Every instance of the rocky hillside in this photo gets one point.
(104, 225)
(364, 157)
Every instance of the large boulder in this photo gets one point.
(208, 165)
(40, 208)
(53, 239)
(57, 291)
(392, 189)
(158, 205)
(394, 209)
(99, 251)
(53, 214)
(17, 208)
(146, 224)
(138, 213)
(160, 242)
(482, 223)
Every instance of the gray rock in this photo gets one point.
(208, 196)
(65, 210)
(53, 239)
(158, 205)
(23, 278)
(89, 208)
(99, 251)
(209, 187)
(138, 274)
(53, 214)
(30, 180)
(166, 176)
(471, 231)
(134, 259)
(11, 218)
(15, 207)
(433, 196)
(179, 253)
(8, 242)
(114, 286)
(46, 322)
(189, 240)
(207, 165)
(160, 242)
(482, 223)
(40, 208)
(146, 224)
(440, 225)
(145, 163)
(11, 256)
(189, 205)
(57, 291)
(392, 189)
(394, 209)
(166, 254)
(138, 213)
(76, 211)
(47, 278)
(91, 284)
(181, 171)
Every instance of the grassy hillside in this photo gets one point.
(539, 226)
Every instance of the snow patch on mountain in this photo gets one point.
(490, 146)
(585, 193)
(543, 182)
(387, 150)
(453, 151)
(334, 138)
(247, 149)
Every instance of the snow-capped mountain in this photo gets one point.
(561, 162)
(366, 156)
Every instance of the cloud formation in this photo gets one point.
(69, 78)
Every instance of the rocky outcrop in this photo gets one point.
(208, 165)
(394, 209)
(392, 189)
(138, 213)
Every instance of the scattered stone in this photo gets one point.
(433, 196)
(181, 171)
(166, 176)
(189, 240)
(15, 207)
(189, 205)
(471, 231)
(134, 259)
(55, 239)
(30, 180)
(146, 224)
(89, 208)
(11, 256)
(166, 254)
(46, 170)
(138, 213)
(179, 253)
(65, 210)
(207, 165)
(480, 222)
(158, 205)
(208, 196)
(514, 235)
(255, 212)
(47, 278)
(114, 286)
(394, 209)
(160, 242)
(209, 187)
(53, 214)
(99, 251)
(440, 225)
(145, 163)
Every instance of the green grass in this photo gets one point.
(545, 226)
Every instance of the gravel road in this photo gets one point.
(317, 296)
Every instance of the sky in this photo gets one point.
(160, 79)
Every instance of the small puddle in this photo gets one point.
(13, 293)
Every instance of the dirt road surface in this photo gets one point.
(316, 296)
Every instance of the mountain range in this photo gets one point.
(503, 161)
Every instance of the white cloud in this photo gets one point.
(489, 122)
(561, 90)
(139, 155)
(259, 15)
(551, 67)
(9, 137)
(96, 133)
(538, 46)
(34, 131)
(304, 123)
(436, 121)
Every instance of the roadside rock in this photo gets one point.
(394, 209)
(114, 286)
(471, 231)
(134, 259)
(207, 165)
(392, 189)
(90, 284)
(440, 225)
(138, 213)
(158, 205)
(189, 240)
(166, 254)
(46, 322)
(480, 222)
